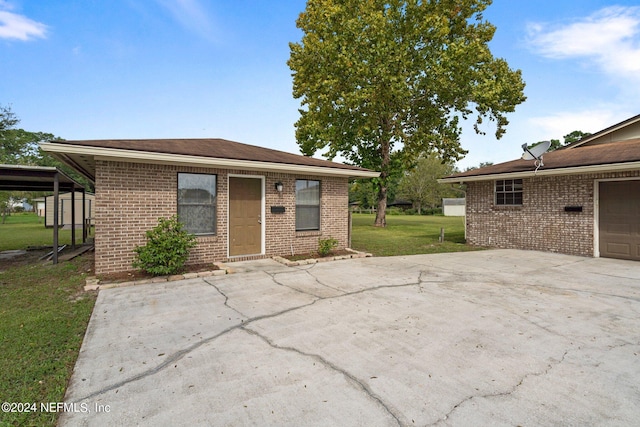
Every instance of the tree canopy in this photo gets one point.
(21, 147)
(569, 138)
(7, 118)
(420, 185)
(382, 75)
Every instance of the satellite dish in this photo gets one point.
(535, 153)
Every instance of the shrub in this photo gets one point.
(326, 245)
(393, 210)
(167, 248)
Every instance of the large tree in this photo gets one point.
(7, 119)
(376, 76)
(420, 185)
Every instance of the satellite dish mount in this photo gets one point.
(535, 153)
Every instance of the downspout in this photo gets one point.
(465, 208)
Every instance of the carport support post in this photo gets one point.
(73, 218)
(84, 216)
(56, 200)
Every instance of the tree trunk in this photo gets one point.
(381, 213)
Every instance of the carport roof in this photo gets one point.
(34, 178)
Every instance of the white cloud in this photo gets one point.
(555, 126)
(191, 15)
(609, 38)
(14, 26)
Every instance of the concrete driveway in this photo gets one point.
(499, 337)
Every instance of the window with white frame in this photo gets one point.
(307, 205)
(197, 201)
(509, 192)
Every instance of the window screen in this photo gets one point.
(307, 205)
(197, 199)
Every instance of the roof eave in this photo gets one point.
(112, 154)
(604, 132)
(610, 167)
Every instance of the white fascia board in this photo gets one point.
(101, 153)
(611, 167)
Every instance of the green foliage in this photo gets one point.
(420, 185)
(569, 138)
(7, 118)
(167, 248)
(377, 75)
(325, 246)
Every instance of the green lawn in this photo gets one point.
(27, 229)
(408, 235)
(44, 313)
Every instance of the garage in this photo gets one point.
(619, 218)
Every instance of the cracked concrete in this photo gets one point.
(485, 338)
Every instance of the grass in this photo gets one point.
(27, 229)
(43, 318)
(408, 235)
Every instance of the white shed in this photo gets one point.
(64, 210)
(454, 207)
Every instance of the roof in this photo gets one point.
(34, 178)
(612, 156)
(608, 132)
(218, 153)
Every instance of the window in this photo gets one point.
(509, 192)
(197, 199)
(307, 205)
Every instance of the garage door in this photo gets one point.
(619, 219)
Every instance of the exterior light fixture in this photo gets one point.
(279, 187)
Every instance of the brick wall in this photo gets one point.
(130, 197)
(541, 223)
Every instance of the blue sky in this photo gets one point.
(89, 69)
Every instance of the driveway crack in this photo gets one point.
(501, 394)
(349, 377)
(226, 298)
(171, 359)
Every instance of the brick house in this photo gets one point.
(241, 201)
(584, 199)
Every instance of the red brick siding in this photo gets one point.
(541, 223)
(130, 197)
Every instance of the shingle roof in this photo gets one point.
(210, 153)
(211, 147)
(627, 151)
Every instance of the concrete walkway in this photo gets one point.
(500, 337)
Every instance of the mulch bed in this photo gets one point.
(315, 254)
(134, 275)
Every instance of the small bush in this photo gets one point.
(167, 248)
(326, 245)
(393, 210)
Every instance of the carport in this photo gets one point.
(44, 178)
